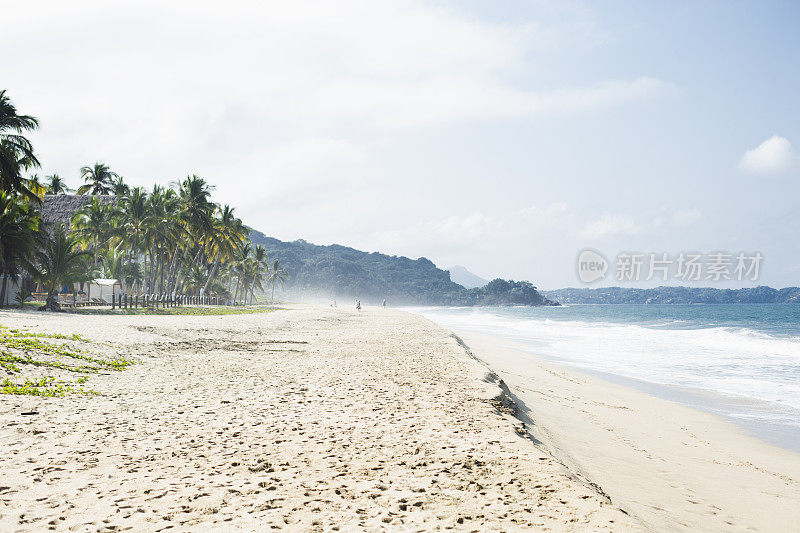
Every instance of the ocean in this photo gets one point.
(738, 361)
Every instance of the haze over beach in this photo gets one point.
(225, 299)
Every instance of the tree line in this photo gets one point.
(167, 240)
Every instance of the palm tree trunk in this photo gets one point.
(211, 276)
(3, 289)
(194, 262)
(172, 274)
(253, 284)
(161, 264)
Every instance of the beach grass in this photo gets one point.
(23, 353)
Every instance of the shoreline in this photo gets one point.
(712, 402)
(302, 419)
(667, 464)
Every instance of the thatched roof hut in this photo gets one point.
(59, 208)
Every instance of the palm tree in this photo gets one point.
(36, 186)
(111, 265)
(226, 236)
(197, 216)
(59, 262)
(279, 275)
(99, 179)
(16, 151)
(195, 280)
(119, 187)
(18, 231)
(134, 220)
(55, 185)
(241, 265)
(259, 261)
(165, 232)
(92, 225)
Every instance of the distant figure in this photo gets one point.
(384, 303)
(334, 303)
(358, 305)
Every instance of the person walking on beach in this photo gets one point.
(358, 305)
(384, 303)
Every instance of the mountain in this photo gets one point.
(675, 295)
(465, 278)
(335, 271)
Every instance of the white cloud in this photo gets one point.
(447, 236)
(176, 71)
(773, 156)
(310, 116)
(608, 226)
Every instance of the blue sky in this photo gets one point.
(504, 136)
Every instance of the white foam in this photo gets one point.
(725, 360)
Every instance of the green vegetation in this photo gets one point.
(18, 234)
(22, 352)
(677, 295)
(59, 262)
(170, 240)
(175, 240)
(37, 387)
(340, 272)
(16, 151)
(181, 311)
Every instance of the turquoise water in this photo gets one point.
(739, 361)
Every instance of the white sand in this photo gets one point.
(304, 420)
(672, 467)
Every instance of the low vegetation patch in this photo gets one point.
(50, 364)
(183, 311)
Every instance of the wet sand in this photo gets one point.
(672, 467)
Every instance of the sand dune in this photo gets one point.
(301, 420)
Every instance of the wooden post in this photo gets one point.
(112, 298)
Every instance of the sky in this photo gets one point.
(504, 136)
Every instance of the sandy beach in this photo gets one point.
(302, 419)
(671, 467)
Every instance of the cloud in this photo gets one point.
(321, 65)
(773, 156)
(608, 226)
(312, 117)
(447, 236)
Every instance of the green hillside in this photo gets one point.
(341, 272)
